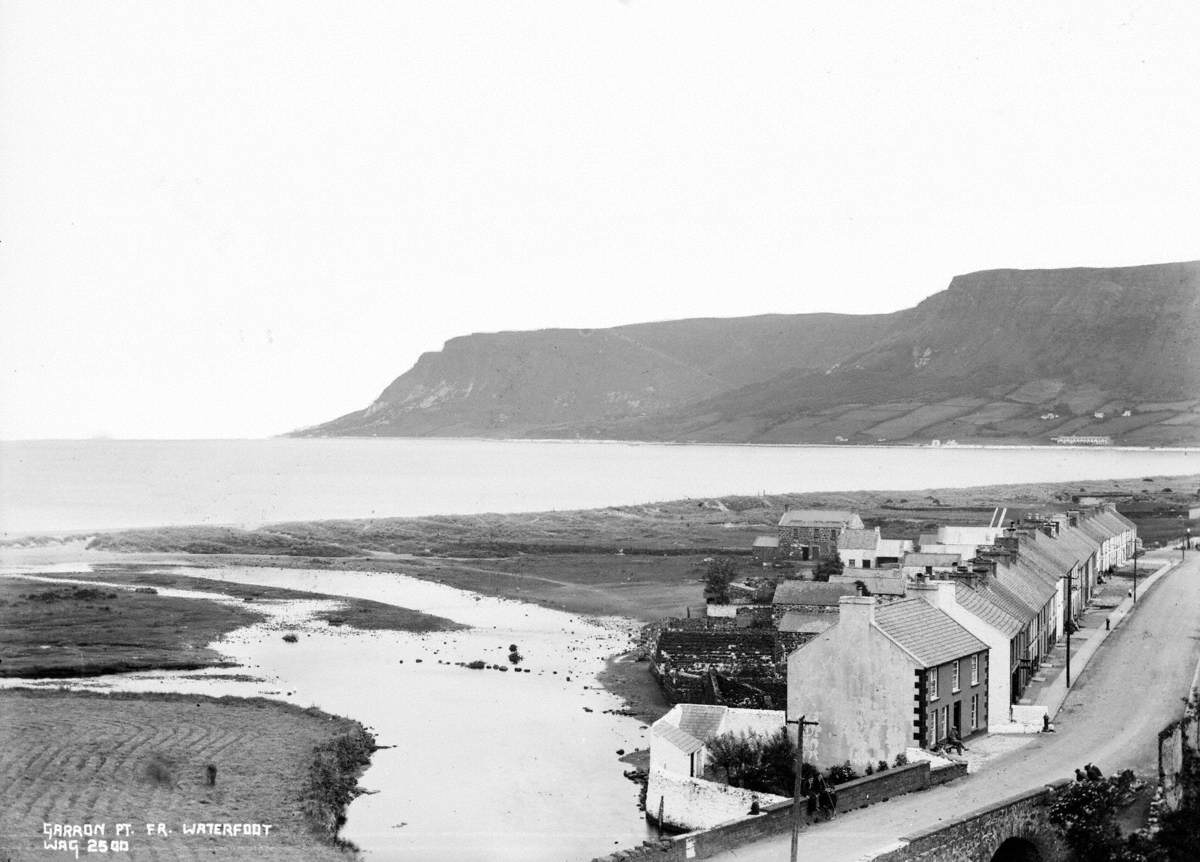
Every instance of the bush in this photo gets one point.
(333, 780)
(841, 774)
(882, 767)
(901, 760)
(290, 638)
(476, 665)
(717, 576)
(756, 762)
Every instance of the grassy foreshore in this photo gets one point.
(62, 630)
(73, 758)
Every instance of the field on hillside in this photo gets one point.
(73, 759)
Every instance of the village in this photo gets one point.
(896, 655)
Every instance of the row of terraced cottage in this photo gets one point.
(910, 644)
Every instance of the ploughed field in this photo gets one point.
(72, 759)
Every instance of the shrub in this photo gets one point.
(757, 762)
(882, 767)
(901, 759)
(333, 780)
(476, 665)
(841, 774)
(290, 638)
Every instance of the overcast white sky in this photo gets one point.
(234, 219)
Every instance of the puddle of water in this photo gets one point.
(486, 764)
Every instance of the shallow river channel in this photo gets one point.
(485, 764)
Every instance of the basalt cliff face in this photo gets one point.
(1013, 356)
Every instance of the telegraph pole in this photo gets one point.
(1135, 556)
(1070, 625)
(798, 792)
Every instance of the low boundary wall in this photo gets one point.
(776, 819)
(975, 837)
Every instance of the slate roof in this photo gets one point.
(882, 585)
(700, 720)
(818, 518)
(926, 633)
(1113, 521)
(878, 582)
(812, 593)
(798, 622)
(681, 739)
(858, 540)
(993, 607)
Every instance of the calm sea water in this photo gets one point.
(66, 485)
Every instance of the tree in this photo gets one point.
(717, 576)
(1085, 814)
(828, 566)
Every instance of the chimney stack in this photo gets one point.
(855, 616)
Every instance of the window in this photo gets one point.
(944, 723)
(974, 711)
(975, 670)
(956, 676)
(933, 684)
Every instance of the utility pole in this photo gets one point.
(798, 791)
(1070, 625)
(1135, 556)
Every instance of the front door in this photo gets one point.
(958, 717)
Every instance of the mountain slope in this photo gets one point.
(1001, 355)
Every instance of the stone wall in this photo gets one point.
(977, 836)
(693, 803)
(776, 818)
(1178, 743)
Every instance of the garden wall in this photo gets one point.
(776, 818)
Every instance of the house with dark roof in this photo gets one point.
(999, 618)
(810, 597)
(885, 678)
(812, 534)
(765, 549)
(885, 584)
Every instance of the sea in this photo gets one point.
(63, 486)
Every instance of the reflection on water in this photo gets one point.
(486, 764)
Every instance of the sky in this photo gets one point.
(237, 219)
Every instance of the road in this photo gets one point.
(1133, 687)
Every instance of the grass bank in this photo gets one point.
(53, 630)
(66, 630)
(75, 757)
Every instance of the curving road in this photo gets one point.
(1132, 688)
